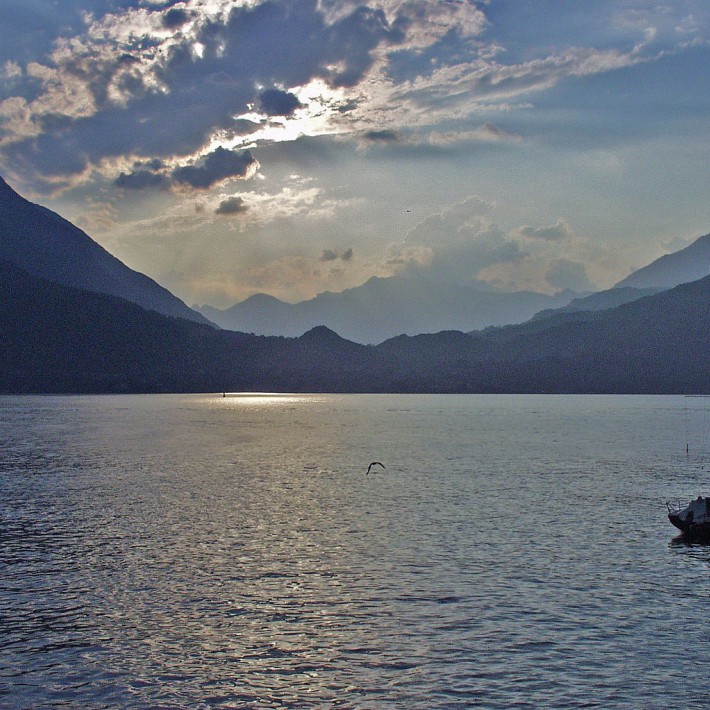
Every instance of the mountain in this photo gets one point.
(47, 245)
(600, 301)
(260, 313)
(656, 344)
(55, 338)
(682, 266)
(384, 307)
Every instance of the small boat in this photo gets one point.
(692, 519)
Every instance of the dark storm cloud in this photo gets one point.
(384, 136)
(347, 255)
(218, 165)
(154, 164)
(140, 180)
(45, 157)
(174, 18)
(553, 233)
(359, 33)
(199, 95)
(232, 205)
(275, 102)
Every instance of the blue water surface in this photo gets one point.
(207, 551)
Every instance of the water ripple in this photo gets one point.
(182, 552)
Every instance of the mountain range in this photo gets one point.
(56, 338)
(47, 245)
(384, 307)
(74, 319)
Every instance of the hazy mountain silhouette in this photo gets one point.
(600, 301)
(659, 343)
(384, 307)
(689, 264)
(47, 245)
(686, 265)
(61, 332)
(55, 338)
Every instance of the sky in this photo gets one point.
(292, 147)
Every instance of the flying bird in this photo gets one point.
(374, 463)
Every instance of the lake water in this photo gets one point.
(199, 551)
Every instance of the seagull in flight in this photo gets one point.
(374, 463)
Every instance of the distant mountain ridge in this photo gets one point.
(600, 301)
(55, 338)
(688, 264)
(684, 266)
(384, 307)
(49, 246)
(61, 336)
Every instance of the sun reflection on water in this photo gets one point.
(271, 399)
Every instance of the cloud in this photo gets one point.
(383, 136)
(232, 205)
(275, 102)
(206, 171)
(402, 257)
(565, 274)
(332, 255)
(140, 180)
(487, 133)
(292, 278)
(175, 17)
(553, 233)
(328, 255)
(98, 217)
(10, 70)
(457, 243)
(215, 167)
(148, 83)
(147, 80)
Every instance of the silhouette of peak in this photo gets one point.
(6, 190)
(322, 333)
(688, 264)
(48, 246)
(261, 298)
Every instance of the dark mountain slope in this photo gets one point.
(55, 338)
(47, 245)
(659, 343)
(600, 301)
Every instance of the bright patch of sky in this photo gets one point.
(290, 146)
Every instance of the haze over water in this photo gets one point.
(200, 551)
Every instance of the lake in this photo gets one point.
(206, 551)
